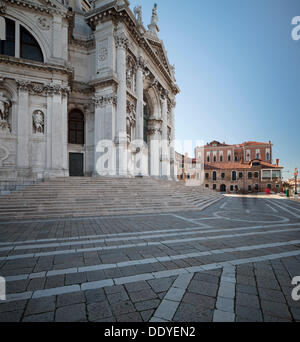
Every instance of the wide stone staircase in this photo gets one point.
(87, 197)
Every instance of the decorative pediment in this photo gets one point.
(158, 48)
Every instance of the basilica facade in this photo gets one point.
(85, 90)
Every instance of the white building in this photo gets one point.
(81, 88)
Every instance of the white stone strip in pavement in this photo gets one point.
(224, 311)
(172, 299)
(147, 261)
(160, 243)
(96, 236)
(103, 236)
(273, 209)
(189, 220)
(84, 218)
(187, 231)
(282, 207)
(285, 204)
(143, 277)
(222, 206)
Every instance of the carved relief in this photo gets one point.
(42, 88)
(5, 105)
(38, 120)
(3, 154)
(103, 53)
(105, 100)
(121, 41)
(43, 23)
(130, 73)
(130, 119)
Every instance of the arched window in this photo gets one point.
(7, 47)
(28, 47)
(76, 127)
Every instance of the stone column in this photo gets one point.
(121, 135)
(104, 163)
(165, 156)
(23, 132)
(154, 142)
(172, 148)
(140, 100)
(57, 123)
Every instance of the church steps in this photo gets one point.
(84, 197)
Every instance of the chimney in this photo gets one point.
(277, 162)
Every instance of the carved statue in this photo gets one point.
(5, 104)
(153, 27)
(38, 121)
(154, 19)
(139, 14)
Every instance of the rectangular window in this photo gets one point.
(249, 188)
(207, 175)
(240, 174)
(276, 174)
(266, 174)
(222, 175)
(249, 175)
(256, 174)
(214, 186)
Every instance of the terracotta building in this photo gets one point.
(243, 168)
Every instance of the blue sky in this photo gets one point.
(238, 69)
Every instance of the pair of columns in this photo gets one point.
(158, 134)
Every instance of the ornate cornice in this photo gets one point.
(35, 65)
(90, 43)
(42, 89)
(51, 8)
(105, 100)
(80, 87)
(105, 82)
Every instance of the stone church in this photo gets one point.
(85, 90)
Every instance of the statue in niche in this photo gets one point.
(38, 121)
(5, 105)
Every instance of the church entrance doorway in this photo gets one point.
(76, 164)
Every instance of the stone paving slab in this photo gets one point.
(220, 264)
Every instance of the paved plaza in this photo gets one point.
(233, 261)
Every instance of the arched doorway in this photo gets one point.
(76, 139)
(223, 188)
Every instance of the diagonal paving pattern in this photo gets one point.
(189, 266)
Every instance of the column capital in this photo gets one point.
(121, 41)
(102, 101)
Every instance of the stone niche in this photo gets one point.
(5, 112)
(38, 122)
